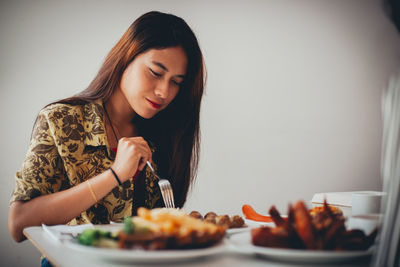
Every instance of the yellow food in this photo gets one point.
(171, 228)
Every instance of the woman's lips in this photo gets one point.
(154, 104)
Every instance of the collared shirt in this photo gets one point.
(69, 145)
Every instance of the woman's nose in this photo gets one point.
(161, 90)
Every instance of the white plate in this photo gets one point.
(255, 224)
(232, 231)
(137, 255)
(242, 243)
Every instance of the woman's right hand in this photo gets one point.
(63, 206)
(132, 155)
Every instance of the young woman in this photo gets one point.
(87, 156)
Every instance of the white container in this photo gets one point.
(366, 202)
(341, 200)
(344, 201)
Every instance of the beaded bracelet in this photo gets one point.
(116, 176)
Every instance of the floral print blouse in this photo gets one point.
(69, 146)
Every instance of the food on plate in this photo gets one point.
(251, 214)
(169, 229)
(98, 238)
(236, 221)
(317, 210)
(321, 229)
(223, 220)
(226, 221)
(209, 217)
(156, 229)
(196, 215)
(210, 214)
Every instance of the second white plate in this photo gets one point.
(242, 243)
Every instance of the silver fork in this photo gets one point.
(165, 187)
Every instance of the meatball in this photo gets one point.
(210, 219)
(223, 220)
(210, 214)
(196, 214)
(236, 222)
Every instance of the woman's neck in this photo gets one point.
(121, 113)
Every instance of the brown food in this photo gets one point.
(211, 219)
(235, 221)
(223, 220)
(196, 214)
(270, 237)
(321, 229)
(276, 216)
(210, 215)
(148, 241)
(319, 209)
(303, 225)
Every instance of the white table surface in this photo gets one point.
(61, 255)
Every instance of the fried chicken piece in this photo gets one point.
(371, 238)
(304, 226)
(295, 240)
(352, 240)
(323, 228)
(275, 237)
(276, 216)
(331, 235)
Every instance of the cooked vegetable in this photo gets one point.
(95, 237)
(88, 237)
(251, 214)
(129, 226)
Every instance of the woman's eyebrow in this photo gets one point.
(160, 65)
(165, 68)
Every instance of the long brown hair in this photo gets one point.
(175, 131)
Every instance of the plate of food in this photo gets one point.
(157, 235)
(306, 236)
(241, 243)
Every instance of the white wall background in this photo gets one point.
(292, 105)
